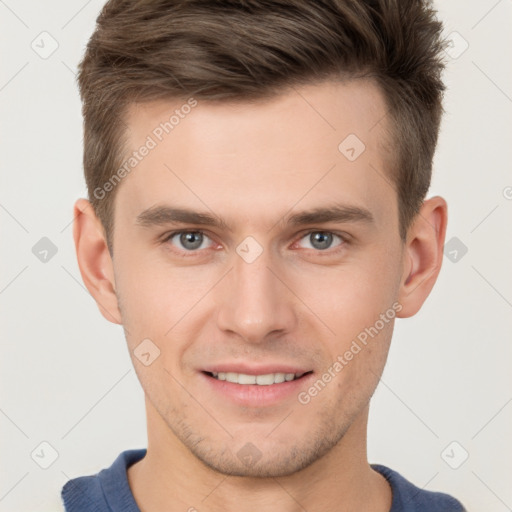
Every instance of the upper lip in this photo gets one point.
(252, 369)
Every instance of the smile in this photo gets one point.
(260, 380)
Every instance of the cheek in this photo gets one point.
(350, 298)
(144, 296)
(157, 299)
(350, 301)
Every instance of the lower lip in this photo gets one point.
(254, 395)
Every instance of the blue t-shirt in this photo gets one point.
(109, 491)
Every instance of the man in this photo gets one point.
(257, 173)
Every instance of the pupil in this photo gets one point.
(321, 240)
(187, 239)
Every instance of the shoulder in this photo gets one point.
(409, 498)
(83, 493)
(95, 493)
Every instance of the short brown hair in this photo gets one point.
(244, 50)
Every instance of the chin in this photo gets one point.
(262, 459)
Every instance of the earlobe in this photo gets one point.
(94, 260)
(423, 255)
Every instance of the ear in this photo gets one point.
(423, 255)
(94, 260)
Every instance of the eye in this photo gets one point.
(194, 241)
(188, 240)
(321, 240)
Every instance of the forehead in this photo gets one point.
(310, 144)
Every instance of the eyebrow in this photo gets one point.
(160, 215)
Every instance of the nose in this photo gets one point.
(256, 304)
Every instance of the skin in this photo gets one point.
(255, 164)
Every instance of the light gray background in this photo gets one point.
(65, 371)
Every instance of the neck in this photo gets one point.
(170, 477)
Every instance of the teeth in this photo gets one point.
(231, 377)
(266, 380)
(261, 380)
(278, 378)
(244, 379)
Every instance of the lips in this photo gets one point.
(252, 387)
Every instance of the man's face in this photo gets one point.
(260, 295)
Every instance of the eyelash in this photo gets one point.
(326, 252)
